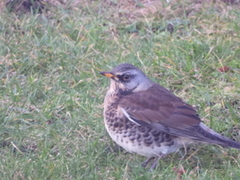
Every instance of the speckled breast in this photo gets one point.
(142, 140)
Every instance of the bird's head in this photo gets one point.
(127, 78)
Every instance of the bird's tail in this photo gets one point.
(210, 136)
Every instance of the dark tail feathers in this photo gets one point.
(210, 136)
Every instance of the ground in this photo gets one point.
(52, 93)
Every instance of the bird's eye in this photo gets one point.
(126, 77)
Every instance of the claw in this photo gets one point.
(154, 165)
(145, 163)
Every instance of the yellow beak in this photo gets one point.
(108, 74)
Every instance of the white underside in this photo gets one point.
(151, 151)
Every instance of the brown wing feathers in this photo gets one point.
(152, 107)
(161, 109)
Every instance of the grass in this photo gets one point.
(52, 93)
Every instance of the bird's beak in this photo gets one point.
(108, 74)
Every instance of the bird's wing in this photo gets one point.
(159, 108)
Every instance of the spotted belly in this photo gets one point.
(141, 139)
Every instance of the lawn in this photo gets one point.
(51, 92)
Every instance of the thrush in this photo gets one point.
(145, 118)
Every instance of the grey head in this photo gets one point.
(128, 78)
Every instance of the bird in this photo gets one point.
(145, 118)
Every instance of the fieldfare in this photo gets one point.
(145, 118)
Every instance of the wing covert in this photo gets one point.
(159, 108)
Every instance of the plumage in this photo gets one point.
(146, 118)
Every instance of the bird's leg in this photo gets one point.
(145, 163)
(154, 165)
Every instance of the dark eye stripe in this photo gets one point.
(124, 78)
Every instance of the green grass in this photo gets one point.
(51, 124)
